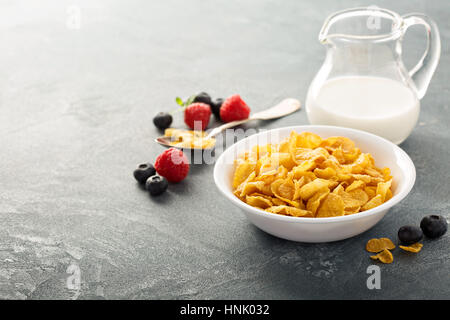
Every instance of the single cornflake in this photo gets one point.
(378, 245)
(384, 256)
(415, 247)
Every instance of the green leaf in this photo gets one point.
(190, 100)
(179, 101)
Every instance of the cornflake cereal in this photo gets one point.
(307, 176)
(416, 247)
(384, 256)
(189, 139)
(377, 245)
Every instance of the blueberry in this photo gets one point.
(156, 185)
(203, 97)
(410, 234)
(215, 107)
(433, 226)
(143, 172)
(162, 120)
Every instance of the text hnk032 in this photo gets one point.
(227, 309)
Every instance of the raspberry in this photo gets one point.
(196, 116)
(172, 164)
(234, 108)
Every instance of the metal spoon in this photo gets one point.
(285, 107)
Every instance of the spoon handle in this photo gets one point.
(285, 107)
(227, 125)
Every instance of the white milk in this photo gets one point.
(382, 106)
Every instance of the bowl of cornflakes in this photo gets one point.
(314, 183)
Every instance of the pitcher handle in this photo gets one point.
(423, 71)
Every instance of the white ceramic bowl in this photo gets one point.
(385, 153)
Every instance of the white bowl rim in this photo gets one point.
(356, 216)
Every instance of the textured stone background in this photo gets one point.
(75, 119)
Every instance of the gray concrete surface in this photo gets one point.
(76, 108)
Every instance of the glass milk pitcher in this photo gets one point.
(363, 83)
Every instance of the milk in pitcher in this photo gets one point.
(381, 106)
